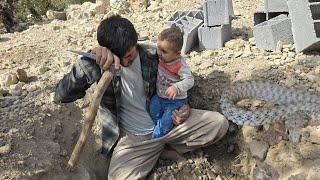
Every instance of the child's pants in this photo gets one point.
(161, 110)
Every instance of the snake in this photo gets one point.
(286, 100)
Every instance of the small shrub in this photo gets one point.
(22, 8)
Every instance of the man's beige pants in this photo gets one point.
(135, 156)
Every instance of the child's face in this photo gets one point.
(165, 51)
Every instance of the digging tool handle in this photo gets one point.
(90, 117)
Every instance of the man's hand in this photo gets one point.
(104, 57)
(180, 116)
(171, 92)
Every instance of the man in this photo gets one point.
(126, 123)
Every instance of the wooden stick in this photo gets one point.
(90, 117)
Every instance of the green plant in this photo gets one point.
(22, 8)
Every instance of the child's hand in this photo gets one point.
(171, 92)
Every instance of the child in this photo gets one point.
(173, 81)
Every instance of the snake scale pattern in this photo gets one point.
(286, 100)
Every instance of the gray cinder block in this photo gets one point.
(175, 17)
(217, 12)
(276, 5)
(261, 14)
(197, 14)
(213, 37)
(268, 33)
(189, 26)
(305, 18)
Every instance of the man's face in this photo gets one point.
(128, 58)
(165, 51)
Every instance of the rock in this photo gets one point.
(153, 6)
(43, 69)
(22, 75)
(314, 174)
(263, 171)
(317, 70)
(120, 6)
(275, 56)
(311, 134)
(8, 79)
(251, 67)
(211, 175)
(279, 46)
(238, 54)
(4, 150)
(288, 46)
(309, 150)
(285, 158)
(284, 56)
(312, 77)
(100, 6)
(3, 92)
(235, 44)
(248, 132)
(17, 87)
(56, 15)
(57, 27)
(83, 11)
(252, 41)
(32, 88)
(206, 54)
(291, 54)
(259, 149)
(13, 131)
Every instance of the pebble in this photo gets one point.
(22, 75)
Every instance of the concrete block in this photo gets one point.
(276, 5)
(197, 14)
(217, 12)
(175, 17)
(305, 18)
(213, 37)
(261, 14)
(268, 33)
(189, 26)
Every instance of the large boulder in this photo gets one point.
(87, 9)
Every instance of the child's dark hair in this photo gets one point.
(117, 34)
(174, 36)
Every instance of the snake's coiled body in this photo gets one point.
(286, 100)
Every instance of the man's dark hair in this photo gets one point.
(117, 34)
(174, 36)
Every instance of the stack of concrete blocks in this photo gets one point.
(216, 29)
(188, 22)
(272, 24)
(270, 9)
(305, 18)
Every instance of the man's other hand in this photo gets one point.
(104, 57)
(179, 116)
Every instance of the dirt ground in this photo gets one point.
(37, 136)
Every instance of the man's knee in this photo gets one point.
(218, 120)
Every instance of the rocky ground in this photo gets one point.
(37, 136)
